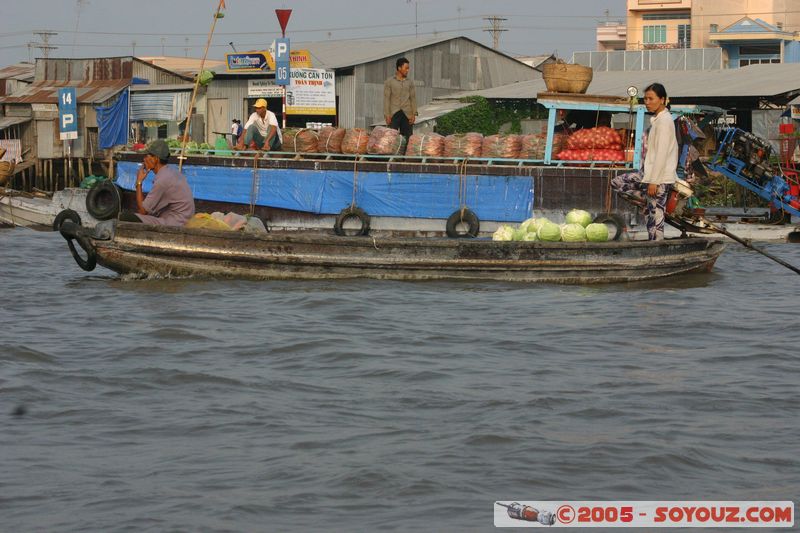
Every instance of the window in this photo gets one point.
(714, 28)
(655, 34)
(685, 35)
(667, 16)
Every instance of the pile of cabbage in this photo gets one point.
(577, 228)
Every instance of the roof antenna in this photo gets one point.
(234, 48)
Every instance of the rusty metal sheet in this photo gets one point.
(20, 71)
(95, 92)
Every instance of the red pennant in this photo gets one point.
(283, 18)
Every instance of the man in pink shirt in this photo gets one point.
(170, 201)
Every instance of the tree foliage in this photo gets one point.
(486, 117)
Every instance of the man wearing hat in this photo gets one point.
(170, 201)
(261, 131)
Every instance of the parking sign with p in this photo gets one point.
(67, 113)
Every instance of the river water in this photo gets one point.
(178, 405)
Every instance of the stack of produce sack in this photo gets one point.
(533, 145)
(355, 141)
(594, 144)
(577, 228)
(386, 141)
(426, 144)
(330, 140)
(502, 146)
(230, 222)
(463, 145)
(300, 141)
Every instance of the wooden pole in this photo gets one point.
(197, 85)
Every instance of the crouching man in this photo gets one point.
(170, 201)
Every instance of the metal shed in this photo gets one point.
(439, 66)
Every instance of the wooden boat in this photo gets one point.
(156, 251)
(39, 211)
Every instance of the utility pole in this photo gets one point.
(133, 45)
(416, 18)
(45, 45)
(163, 40)
(186, 50)
(495, 29)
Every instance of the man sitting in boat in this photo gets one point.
(170, 201)
(261, 131)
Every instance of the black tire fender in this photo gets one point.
(464, 216)
(349, 213)
(103, 201)
(74, 232)
(66, 214)
(612, 219)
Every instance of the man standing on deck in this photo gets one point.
(170, 201)
(261, 131)
(400, 100)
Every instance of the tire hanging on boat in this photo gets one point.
(463, 216)
(612, 219)
(74, 232)
(66, 214)
(348, 213)
(103, 201)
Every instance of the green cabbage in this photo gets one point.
(528, 225)
(597, 233)
(578, 216)
(573, 233)
(530, 236)
(538, 223)
(503, 233)
(519, 235)
(549, 232)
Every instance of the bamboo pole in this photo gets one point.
(220, 6)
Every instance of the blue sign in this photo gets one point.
(249, 62)
(68, 113)
(282, 61)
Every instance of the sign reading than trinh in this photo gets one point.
(312, 91)
(67, 113)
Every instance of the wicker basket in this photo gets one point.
(6, 170)
(566, 78)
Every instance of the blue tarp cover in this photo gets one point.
(112, 122)
(390, 194)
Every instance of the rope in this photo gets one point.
(254, 187)
(355, 182)
(608, 192)
(462, 187)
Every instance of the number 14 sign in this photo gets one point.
(67, 113)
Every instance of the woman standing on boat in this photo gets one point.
(660, 162)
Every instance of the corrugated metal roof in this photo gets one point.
(351, 52)
(183, 65)
(6, 122)
(20, 71)
(434, 110)
(750, 81)
(95, 92)
(148, 88)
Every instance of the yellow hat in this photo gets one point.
(260, 103)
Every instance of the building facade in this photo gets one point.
(747, 31)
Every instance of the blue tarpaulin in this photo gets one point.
(112, 122)
(390, 194)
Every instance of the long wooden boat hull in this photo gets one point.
(153, 251)
(39, 213)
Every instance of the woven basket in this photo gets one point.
(6, 170)
(566, 78)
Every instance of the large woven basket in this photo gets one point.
(6, 170)
(566, 78)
